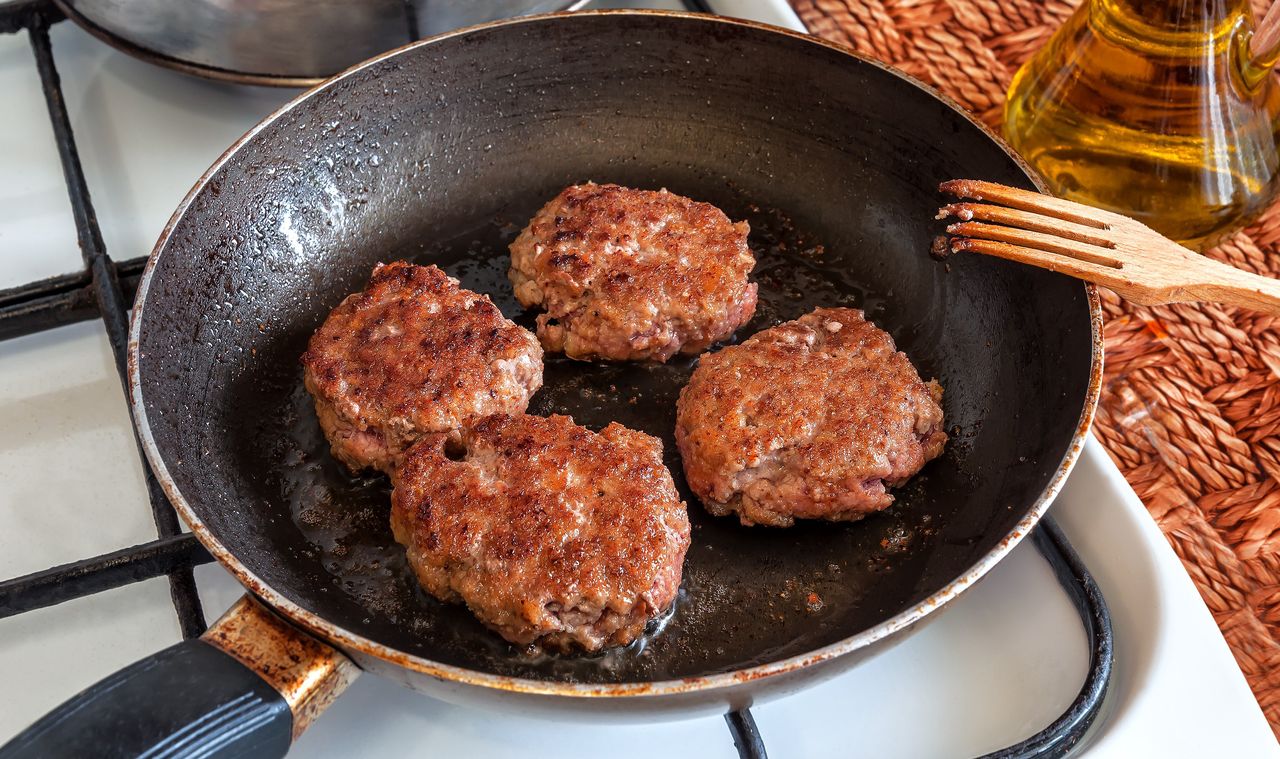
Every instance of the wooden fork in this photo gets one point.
(1137, 262)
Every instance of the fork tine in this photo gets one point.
(976, 189)
(1038, 241)
(1074, 267)
(1035, 222)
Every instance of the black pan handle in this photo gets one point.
(189, 699)
(245, 689)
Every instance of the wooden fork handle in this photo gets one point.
(1227, 284)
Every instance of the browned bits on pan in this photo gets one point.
(939, 249)
(815, 418)
(550, 533)
(629, 274)
(414, 353)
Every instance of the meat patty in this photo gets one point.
(414, 353)
(632, 275)
(550, 533)
(813, 419)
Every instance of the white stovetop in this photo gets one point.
(999, 664)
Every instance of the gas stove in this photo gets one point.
(1004, 661)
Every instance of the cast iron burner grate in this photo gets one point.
(104, 289)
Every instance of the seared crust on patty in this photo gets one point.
(632, 274)
(412, 354)
(550, 533)
(814, 418)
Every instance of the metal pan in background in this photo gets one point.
(284, 43)
(439, 152)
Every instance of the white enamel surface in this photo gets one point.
(1174, 671)
(1003, 660)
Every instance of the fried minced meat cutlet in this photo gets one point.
(411, 354)
(625, 274)
(812, 419)
(550, 533)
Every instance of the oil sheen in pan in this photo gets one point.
(798, 583)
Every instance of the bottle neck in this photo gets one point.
(1178, 28)
(1176, 16)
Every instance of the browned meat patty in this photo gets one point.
(812, 419)
(550, 533)
(632, 274)
(413, 354)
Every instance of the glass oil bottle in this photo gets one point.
(1163, 110)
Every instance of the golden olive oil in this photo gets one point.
(1156, 109)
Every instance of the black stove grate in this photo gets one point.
(105, 289)
(96, 292)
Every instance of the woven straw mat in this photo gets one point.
(1191, 404)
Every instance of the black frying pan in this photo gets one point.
(439, 152)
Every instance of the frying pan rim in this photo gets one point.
(322, 628)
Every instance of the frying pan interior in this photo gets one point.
(441, 153)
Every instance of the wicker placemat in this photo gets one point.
(1191, 405)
